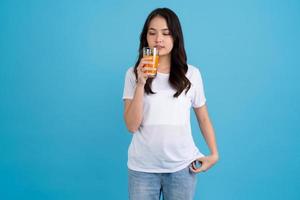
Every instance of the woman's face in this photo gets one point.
(159, 36)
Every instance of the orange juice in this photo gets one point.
(151, 53)
(153, 65)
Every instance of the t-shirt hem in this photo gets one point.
(157, 171)
(164, 170)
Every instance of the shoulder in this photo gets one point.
(192, 69)
(193, 72)
(130, 72)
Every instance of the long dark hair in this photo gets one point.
(179, 66)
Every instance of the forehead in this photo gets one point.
(158, 23)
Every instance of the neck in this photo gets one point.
(164, 64)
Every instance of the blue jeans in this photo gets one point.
(179, 185)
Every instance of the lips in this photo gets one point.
(159, 47)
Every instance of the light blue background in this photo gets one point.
(62, 66)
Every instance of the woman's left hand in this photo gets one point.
(206, 163)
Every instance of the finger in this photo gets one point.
(141, 69)
(143, 63)
(144, 73)
(147, 58)
(149, 68)
(192, 169)
(197, 170)
(146, 62)
(205, 166)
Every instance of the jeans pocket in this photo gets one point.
(190, 169)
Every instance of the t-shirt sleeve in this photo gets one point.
(198, 99)
(129, 85)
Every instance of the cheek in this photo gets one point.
(170, 43)
(150, 39)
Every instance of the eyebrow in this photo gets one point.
(164, 29)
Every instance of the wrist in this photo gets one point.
(140, 84)
(215, 155)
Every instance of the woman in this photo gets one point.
(162, 153)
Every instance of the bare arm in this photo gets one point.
(133, 109)
(208, 133)
(206, 128)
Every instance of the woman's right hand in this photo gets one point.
(141, 71)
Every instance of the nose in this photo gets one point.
(159, 38)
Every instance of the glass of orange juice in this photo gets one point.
(154, 55)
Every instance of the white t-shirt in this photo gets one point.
(164, 143)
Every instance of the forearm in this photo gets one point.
(134, 113)
(209, 135)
